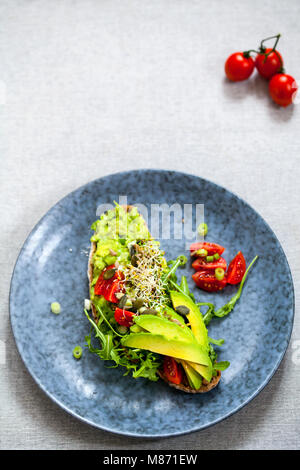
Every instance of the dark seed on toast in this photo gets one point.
(134, 261)
(109, 273)
(138, 303)
(123, 301)
(149, 311)
(182, 310)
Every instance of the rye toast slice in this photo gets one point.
(205, 387)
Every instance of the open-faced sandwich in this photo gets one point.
(142, 318)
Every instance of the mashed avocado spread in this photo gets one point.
(115, 232)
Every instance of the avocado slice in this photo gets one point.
(167, 328)
(204, 371)
(194, 379)
(135, 329)
(189, 351)
(194, 316)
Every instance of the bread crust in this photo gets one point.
(205, 387)
(90, 274)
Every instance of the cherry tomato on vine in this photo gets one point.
(172, 370)
(239, 66)
(268, 65)
(283, 89)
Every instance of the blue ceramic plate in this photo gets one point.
(52, 266)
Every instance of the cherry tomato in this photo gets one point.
(172, 370)
(283, 89)
(201, 263)
(124, 317)
(239, 66)
(206, 280)
(211, 248)
(236, 269)
(268, 66)
(109, 287)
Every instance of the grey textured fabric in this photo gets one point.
(94, 87)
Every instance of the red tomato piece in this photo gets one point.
(211, 248)
(172, 370)
(112, 290)
(101, 283)
(201, 263)
(268, 66)
(239, 66)
(124, 317)
(109, 287)
(206, 280)
(236, 269)
(98, 286)
(283, 89)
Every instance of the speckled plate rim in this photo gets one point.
(197, 428)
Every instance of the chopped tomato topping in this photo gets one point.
(172, 370)
(109, 287)
(124, 317)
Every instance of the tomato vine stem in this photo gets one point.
(277, 36)
(262, 49)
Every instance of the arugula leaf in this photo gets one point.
(180, 261)
(184, 285)
(217, 342)
(212, 353)
(227, 308)
(222, 365)
(182, 289)
(107, 322)
(98, 333)
(139, 362)
(209, 313)
(221, 312)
